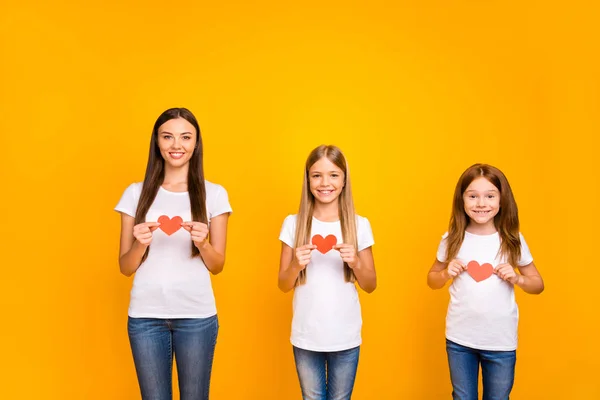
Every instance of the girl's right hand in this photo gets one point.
(302, 256)
(143, 232)
(455, 267)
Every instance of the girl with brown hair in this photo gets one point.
(173, 235)
(479, 253)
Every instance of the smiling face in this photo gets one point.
(176, 142)
(326, 181)
(482, 203)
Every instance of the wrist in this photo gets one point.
(444, 273)
(520, 280)
(141, 245)
(203, 245)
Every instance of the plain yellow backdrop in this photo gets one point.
(412, 91)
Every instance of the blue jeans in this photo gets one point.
(155, 341)
(497, 370)
(326, 375)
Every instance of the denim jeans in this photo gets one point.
(326, 375)
(497, 370)
(155, 341)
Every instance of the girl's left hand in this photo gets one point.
(507, 273)
(199, 232)
(348, 254)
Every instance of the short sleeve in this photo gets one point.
(441, 251)
(221, 203)
(364, 233)
(288, 231)
(129, 200)
(526, 257)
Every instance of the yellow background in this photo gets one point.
(413, 92)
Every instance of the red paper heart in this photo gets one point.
(324, 244)
(479, 272)
(170, 225)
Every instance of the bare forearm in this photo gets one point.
(287, 278)
(531, 284)
(366, 277)
(437, 279)
(130, 261)
(213, 260)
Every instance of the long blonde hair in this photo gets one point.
(345, 206)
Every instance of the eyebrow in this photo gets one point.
(485, 191)
(169, 133)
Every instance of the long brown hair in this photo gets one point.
(345, 206)
(155, 173)
(506, 221)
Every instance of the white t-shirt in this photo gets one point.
(170, 283)
(327, 315)
(482, 314)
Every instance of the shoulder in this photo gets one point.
(213, 188)
(362, 222)
(290, 220)
(135, 188)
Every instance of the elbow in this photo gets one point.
(216, 266)
(540, 289)
(217, 269)
(433, 285)
(123, 268)
(284, 288)
(283, 285)
(370, 289)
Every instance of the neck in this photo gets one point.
(326, 212)
(481, 229)
(176, 176)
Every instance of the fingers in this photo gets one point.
(460, 265)
(344, 249)
(146, 227)
(455, 267)
(303, 254)
(505, 272)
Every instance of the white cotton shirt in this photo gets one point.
(170, 283)
(327, 314)
(482, 315)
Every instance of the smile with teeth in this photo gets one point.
(176, 155)
(325, 192)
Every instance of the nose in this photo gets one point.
(325, 181)
(177, 143)
(480, 201)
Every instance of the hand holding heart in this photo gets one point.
(348, 254)
(143, 232)
(507, 273)
(302, 256)
(198, 231)
(455, 267)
